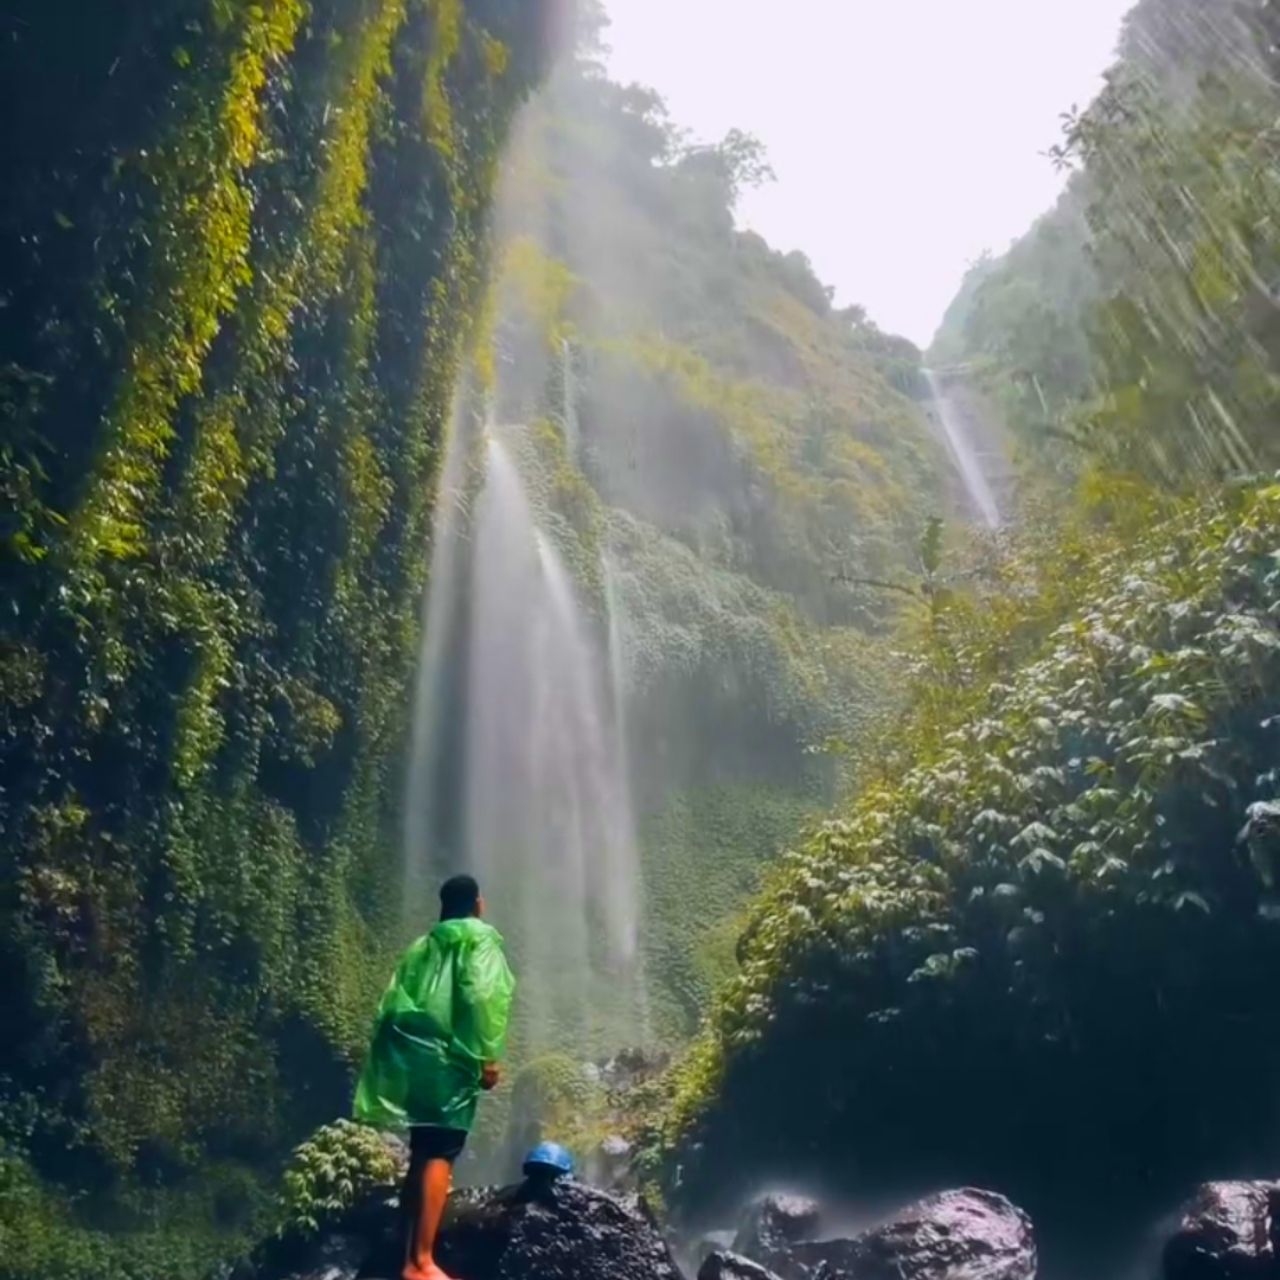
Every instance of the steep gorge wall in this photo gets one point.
(1134, 327)
(237, 264)
(1037, 951)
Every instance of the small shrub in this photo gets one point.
(333, 1171)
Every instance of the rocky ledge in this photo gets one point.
(568, 1231)
(955, 1235)
(534, 1231)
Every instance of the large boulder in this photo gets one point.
(723, 1264)
(710, 1242)
(558, 1231)
(955, 1235)
(561, 1231)
(1229, 1231)
(772, 1224)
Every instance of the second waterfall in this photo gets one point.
(518, 770)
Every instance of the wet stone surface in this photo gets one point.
(772, 1224)
(560, 1231)
(726, 1265)
(1229, 1231)
(955, 1235)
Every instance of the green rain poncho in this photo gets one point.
(442, 1018)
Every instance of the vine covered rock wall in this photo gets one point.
(239, 253)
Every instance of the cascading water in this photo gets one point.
(570, 395)
(618, 685)
(424, 833)
(519, 770)
(966, 456)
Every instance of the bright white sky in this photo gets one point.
(907, 135)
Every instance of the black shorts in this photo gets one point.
(430, 1142)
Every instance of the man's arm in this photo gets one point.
(485, 990)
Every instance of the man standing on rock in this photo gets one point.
(439, 1033)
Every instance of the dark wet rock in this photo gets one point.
(955, 1235)
(331, 1257)
(773, 1223)
(337, 1253)
(723, 1264)
(711, 1242)
(1229, 1231)
(550, 1231)
(565, 1231)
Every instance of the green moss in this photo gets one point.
(701, 858)
(190, 1233)
(201, 262)
(437, 110)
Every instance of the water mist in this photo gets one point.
(963, 451)
(519, 763)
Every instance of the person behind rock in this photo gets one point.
(439, 1033)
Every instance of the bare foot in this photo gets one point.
(429, 1272)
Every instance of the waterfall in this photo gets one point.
(618, 685)
(968, 463)
(569, 392)
(519, 770)
(423, 830)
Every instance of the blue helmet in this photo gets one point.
(548, 1159)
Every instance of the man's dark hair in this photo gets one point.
(459, 897)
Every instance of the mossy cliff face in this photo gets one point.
(239, 261)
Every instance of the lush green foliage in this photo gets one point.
(244, 245)
(150, 1234)
(332, 1172)
(704, 854)
(1068, 899)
